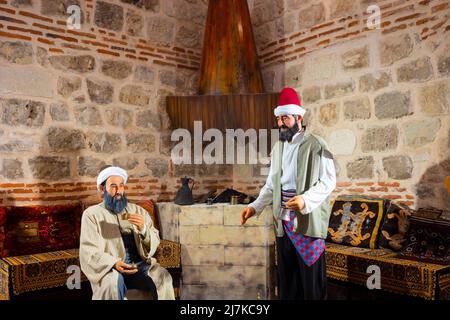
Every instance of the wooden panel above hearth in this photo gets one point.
(223, 112)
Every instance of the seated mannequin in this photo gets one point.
(117, 244)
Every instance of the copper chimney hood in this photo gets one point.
(231, 92)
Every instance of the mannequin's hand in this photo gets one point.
(125, 268)
(137, 220)
(296, 203)
(247, 213)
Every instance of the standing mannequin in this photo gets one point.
(301, 178)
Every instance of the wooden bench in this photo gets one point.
(399, 276)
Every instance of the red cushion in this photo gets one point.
(150, 206)
(37, 229)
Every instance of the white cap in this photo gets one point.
(111, 171)
(289, 109)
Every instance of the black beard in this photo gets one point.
(289, 134)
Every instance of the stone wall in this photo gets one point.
(379, 97)
(72, 101)
(221, 259)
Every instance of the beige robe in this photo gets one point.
(101, 246)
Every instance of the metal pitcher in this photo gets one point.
(184, 194)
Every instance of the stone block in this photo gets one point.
(342, 142)
(339, 89)
(321, 68)
(189, 36)
(419, 70)
(126, 162)
(395, 48)
(214, 234)
(380, 138)
(16, 52)
(158, 166)
(21, 3)
(144, 74)
(141, 142)
(233, 236)
(361, 168)
(147, 5)
(222, 275)
(247, 256)
(68, 85)
(419, 133)
(134, 23)
(435, 99)
(119, 117)
(358, 108)
(62, 139)
(356, 58)
(109, 16)
(311, 94)
(49, 168)
(329, 114)
(294, 75)
(201, 215)
(58, 8)
(148, 119)
(444, 64)
(89, 166)
(39, 82)
(392, 105)
(12, 169)
(341, 8)
(190, 235)
(19, 112)
(104, 142)
(374, 81)
(192, 255)
(88, 115)
(311, 16)
(232, 216)
(169, 221)
(15, 145)
(79, 64)
(160, 30)
(257, 236)
(398, 167)
(255, 276)
(99, 91)
(134, 95)
(118, 70)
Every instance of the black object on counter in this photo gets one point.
(225, 197)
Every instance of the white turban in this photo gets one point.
(111, 171)
(289, 109)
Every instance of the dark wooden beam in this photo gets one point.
(229, 62)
